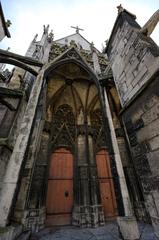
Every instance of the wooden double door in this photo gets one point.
(106, 185)
(60, 188)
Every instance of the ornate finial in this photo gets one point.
(8, 23)
(120, 8)
(46, 29)
(92, 46)
(35, 38)
(77, 29)
(106, 42)
(51, 36)
(21, 81)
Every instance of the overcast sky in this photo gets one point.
(96, 17)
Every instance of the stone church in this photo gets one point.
(79, 130)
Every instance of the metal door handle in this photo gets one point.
(66, 193)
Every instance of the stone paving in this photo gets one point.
(107, 232)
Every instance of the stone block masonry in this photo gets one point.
(142, 120)
(133, 58)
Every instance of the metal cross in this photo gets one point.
(77, 29)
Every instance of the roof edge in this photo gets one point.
(80, 36)
(124, 14)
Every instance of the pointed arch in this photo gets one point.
(87, 138)
(71, 56)
(79, 61)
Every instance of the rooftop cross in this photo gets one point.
(77, 29)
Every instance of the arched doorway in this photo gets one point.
(75, 120)
(60, 188)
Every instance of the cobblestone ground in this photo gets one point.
(108, 232)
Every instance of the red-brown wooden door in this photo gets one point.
(60, 188)
(106, 184)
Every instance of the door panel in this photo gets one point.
(61, 165)
(60, 196)
(60, 188)
(106, 198)
(106, 184)
(102, 166)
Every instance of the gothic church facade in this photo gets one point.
(79, 130)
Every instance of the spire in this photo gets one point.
(35, 38)
(149, 27)
(92, 46)
(45, 34)
(51, 36)
(46, 29)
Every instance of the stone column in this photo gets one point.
(124, 191)
(14, 166)
(82, 166)
(82, 198)
(91, 150)
(93, 173)
(96, 209)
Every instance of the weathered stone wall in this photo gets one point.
(16, 123)
(4, 158)
(24, 211)
(16, 118)
(10, 117)
(134, 58)
(15, 81)
(7, 115)
(142, 120)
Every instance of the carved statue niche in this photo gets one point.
(81, 138)
(80, 117)
(49, 114)
(98, 129)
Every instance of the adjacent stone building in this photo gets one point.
(79, 130)
(134, 60)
